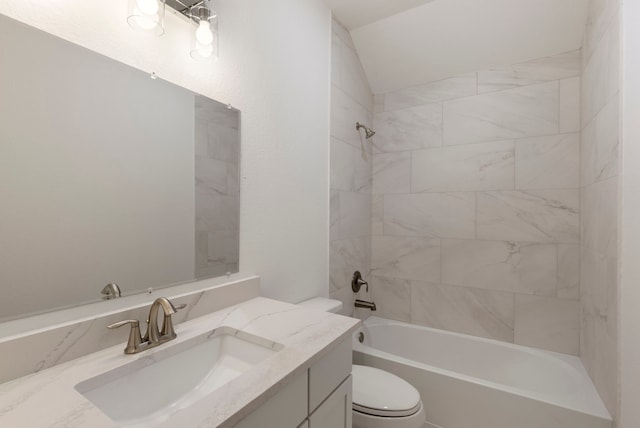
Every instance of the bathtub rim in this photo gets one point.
(570, 360)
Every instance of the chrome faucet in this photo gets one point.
(364, 304)
(154, 335)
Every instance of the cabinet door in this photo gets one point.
(335, 411)
(286, 409)
(328, 373)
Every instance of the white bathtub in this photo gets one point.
(471, 382)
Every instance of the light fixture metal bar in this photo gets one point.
(185, 8)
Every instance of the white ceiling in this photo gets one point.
(356, 13)
(403, 45)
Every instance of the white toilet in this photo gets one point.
(380, 399)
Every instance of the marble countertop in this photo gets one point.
(48, 398)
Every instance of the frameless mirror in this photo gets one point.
(107, 176)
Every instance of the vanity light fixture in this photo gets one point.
(204, 38)
(147, 16)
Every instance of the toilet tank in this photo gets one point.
(322, 304)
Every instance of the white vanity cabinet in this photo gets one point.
(335, 412)
(318, 398)
(286, 409)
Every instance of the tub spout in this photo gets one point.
(364, 304)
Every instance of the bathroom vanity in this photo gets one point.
(289, 367)
(319, 397)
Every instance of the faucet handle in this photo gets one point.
(134, 323)
(135, 338)
(357, 282)
(167, 330)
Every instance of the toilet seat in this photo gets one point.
(386, 414)
(380, 393)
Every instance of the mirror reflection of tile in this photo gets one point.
(217, 189)
(100, 183)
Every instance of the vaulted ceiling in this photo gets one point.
(402, 43)
(357, 13)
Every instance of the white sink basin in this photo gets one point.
(148, 390)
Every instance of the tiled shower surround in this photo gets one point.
(475, 187)
(351, 157)
(599, 198)
(495, 198)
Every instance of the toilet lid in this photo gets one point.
(380, 393)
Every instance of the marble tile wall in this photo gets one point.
(217, 192)
(599, 198)
(351, 162)
(476, 203)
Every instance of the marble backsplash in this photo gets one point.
(36, 350)
(476, 207)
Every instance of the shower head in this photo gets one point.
(368, 132)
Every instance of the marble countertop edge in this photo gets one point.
(49, 398)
